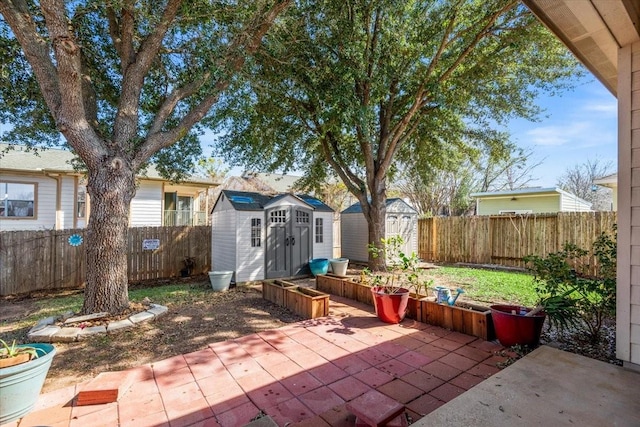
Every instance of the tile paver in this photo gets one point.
(302, 374)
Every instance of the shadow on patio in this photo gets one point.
(304, 374)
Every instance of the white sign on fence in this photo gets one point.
(150, 244)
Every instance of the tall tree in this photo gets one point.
(578, 179)
(122, 81)
(353, 86)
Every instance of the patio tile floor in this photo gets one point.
(301, 374)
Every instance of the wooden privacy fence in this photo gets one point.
(44, 259)
(505, 240)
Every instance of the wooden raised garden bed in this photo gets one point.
(468, 319)
(274, 291)
(357, 291)
(305, 302)
(330, 284)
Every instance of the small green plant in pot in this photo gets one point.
(13, 354)
(391, 290)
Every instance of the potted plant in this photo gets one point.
(22, 380)
(391, 291)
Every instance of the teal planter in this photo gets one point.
(20, 385)
(319, 266)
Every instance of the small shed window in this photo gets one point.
(279, 216)
(302, 217)
(256, 232)
(319, 231)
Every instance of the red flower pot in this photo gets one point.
(390, 308)
(513, 329)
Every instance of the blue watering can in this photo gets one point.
(443, 295)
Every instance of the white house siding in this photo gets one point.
(68, 202)
(355, 237)
(45, 204)
(324, 249)
(534, 203)
(146, 206)
(628, 283)
(250, 261)
(223, 237)
(571, 203)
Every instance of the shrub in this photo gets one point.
(571, 294)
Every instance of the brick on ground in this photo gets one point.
(105, 388)
(375, 409)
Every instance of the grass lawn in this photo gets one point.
(486, 286)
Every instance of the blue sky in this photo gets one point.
(577, 126)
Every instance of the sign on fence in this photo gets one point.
(150, 244)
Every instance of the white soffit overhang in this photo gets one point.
(593, 30)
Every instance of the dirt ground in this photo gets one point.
(185, 328)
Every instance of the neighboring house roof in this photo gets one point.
(59, 160)
(254, 201)
(270, 182)
(356, 208)
(607, 181)
(532, 191)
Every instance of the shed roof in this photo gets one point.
(253, 201)
(356, 208)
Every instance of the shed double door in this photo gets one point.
(288, 241)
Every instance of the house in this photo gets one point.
(605, 37)
(260, 236)
(528, 200)
(610, 181)
(44, 191)
(401, 220)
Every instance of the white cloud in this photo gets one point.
(608, 107)
(560, 135)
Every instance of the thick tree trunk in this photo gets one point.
(375, 216)
(111, 189)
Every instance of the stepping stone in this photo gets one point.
(105, 388)
(375, 409)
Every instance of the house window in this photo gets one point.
(81, 203)
(17, 200)
(319, 232)
(256, 232)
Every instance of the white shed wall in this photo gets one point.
(354, 237)
(146, 206)
(324, 249)
(223, 240)
(250, 261)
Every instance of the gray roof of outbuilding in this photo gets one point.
(356, 208)
(252, 201)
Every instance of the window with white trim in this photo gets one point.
(256, 232)
(17, 199)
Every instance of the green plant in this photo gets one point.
(403, 270)
(573, 292)
(8, 351)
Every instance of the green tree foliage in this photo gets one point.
(357, 86)
(125, 82)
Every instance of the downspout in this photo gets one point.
(58, 180)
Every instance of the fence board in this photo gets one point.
(504, 239)
(44, 260)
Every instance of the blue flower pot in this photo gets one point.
(319, 266)
(20, 385)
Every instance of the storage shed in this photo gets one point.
(401, 219)
(260, 236)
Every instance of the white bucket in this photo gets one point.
(220, 280)
(339, 266)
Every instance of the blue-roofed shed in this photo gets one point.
(401, 219)
(260, 236)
